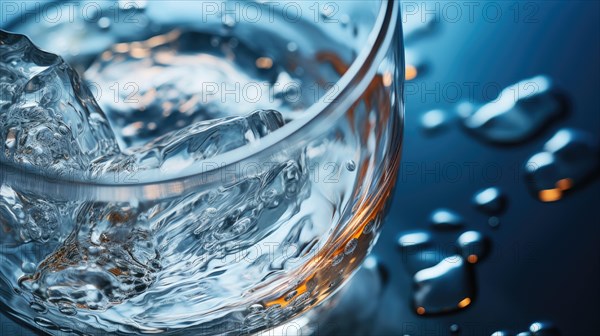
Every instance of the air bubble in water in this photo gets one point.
(350, 165)
(337, 259)
(490, 200)
(350, 246)
(28, 267)
(38, 307)
(290, 295)
(445, 287)
(568, 159)
(473, 246)
(67, 309)
(519, 112)
(446, 219)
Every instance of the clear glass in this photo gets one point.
(237, 243)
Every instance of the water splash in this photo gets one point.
(48, 121)
(178, 150)
(179, 78)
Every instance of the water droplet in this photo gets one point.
(350, 246)
(434, 120)
(544, 328)
(104, 22)
(473, 246)
(344, 20)
(446, 219)
(490, 200)
(519, 112)
(568, 159)
(350, 165)
(524, 333)
(502, 333)
(445, 287)
(28, 267)
(416, 239)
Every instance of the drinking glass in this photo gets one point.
(241, 241)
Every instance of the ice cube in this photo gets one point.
(48, 120)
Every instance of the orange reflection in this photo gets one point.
(564, 184)
(410, 72)
(472, 259)
(550, 195)
(464, 302)
(264, 63)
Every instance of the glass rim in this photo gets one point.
(355, 79)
